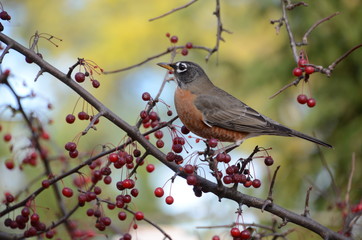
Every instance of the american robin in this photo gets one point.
(210, 112)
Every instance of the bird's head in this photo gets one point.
(187, 74)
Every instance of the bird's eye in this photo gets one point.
(181, 67)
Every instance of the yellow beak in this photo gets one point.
(165, 65)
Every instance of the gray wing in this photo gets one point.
(223, 110)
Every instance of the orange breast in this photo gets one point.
(192, 118)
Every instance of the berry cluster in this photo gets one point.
(240, 235)
(303, 67)
(303, 99)
(21, 221)
(82, 115)
(87, 68)
(174, 40)
(71, 147)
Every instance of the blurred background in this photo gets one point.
(252, 64)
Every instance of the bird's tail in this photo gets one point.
(309, 138)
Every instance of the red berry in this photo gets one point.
(70, 146)
(184, 130)
(50, 234)
(70, 118)
(146, 96)
(127, 236)
(150, 168)
(302, 62)
(297, 72)
(256, 183)
(189, 169)
(227, 179)
(169, 113)
(139, 216)
(90, 212)
(4, 15)
(191, 180)
(113, 157)
(45, 183)
(184, 51)
(212, 142)
(168, 35)
(79, 77)
(83, 115)
(220, 157)
(9, 197)
(178, 140)
(136, 153)
(235, 232)
(302, 98)
(309, 69)
(122, 216)
(311, 102)
(248, 183)
(227, 158)
(34, 217)
(9, 164)
(6, 72)
(174, 39)
(245, 234)
(7, 137)
(268, 161)
(159, 192)
(134, 192)
(177, 148)
(160, 143)
(188, 45)
(107, 179)
(73, 154)
(97, 190)
(170, 156)
(67, 192)
(153, 116)
(169, 200)
(106, 221)
(159, 134)
(144, 115)
(25, 212)
(96, 83)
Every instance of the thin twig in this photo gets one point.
(294, 83)
(305, 37)
(333, 65)
(325, 165)
(166, 236)
(289, 31)
(269, 199)
(139, 162)
(91, 124)
(349, 186)
(306, 208)
(173, 10)
(219, 31)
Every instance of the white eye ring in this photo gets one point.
(181, 67)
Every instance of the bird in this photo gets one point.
(211, 112)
